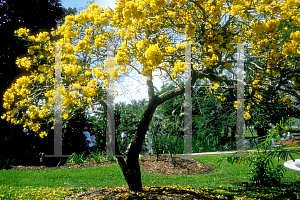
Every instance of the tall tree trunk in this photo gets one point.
(134, 178)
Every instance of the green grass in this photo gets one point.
(249, 134)
(55, 184)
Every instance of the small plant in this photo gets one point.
(264, 174)
(96, 157)
(4, 163)
(75, 158)
(142, 158)
(41, 155)
(199, 165)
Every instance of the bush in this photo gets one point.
(76, 158)
(4, 162)
(263, 174)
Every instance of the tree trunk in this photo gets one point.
(134, 178)
(131, 168)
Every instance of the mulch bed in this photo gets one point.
(165, 165)
(289, 141)
(74, 166)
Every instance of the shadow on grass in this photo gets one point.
(123, 192)
(250, 191)
(283, 191)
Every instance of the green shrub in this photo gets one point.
(96, 156)
(263, 173)
(76, 158)
(4, 162)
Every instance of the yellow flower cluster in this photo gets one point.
(42, 37)
(278, 56)
(143, 45)
(271, 25)
(295, 36)
(71, 69)
(98, 73)
(22, 103)
(210, 61)
(43, 134)
(33, 112)
(247, 116)
(236, 9)
(8, 99)
(213, 39)
(49, 93)
(154, 55)
(238, 105)
(257, 97)
(42, 113)
(122, 58)
(289, 48)
(170, 49)
(69, 98)
(92, 91)
(24, 62)
(178, 67)
(222, 98)
(99, 41)
(23, 81)
(257, 27)
(23, 92)
(132, 10)
(22, 32)
(190, 30)
(157, 4)
(81, 46)
(216, 86)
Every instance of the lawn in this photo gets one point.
(57, 184)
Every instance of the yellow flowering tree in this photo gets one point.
(147, 32)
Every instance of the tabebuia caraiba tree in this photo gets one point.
(148, 32)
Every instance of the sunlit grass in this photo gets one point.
(57, 184)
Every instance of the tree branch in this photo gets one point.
(150, 86)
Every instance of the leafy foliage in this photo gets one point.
(265, 173)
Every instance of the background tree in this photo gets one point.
(213, 115)
(148, 32)
(37, 15)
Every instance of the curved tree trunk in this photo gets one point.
(130, 166)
